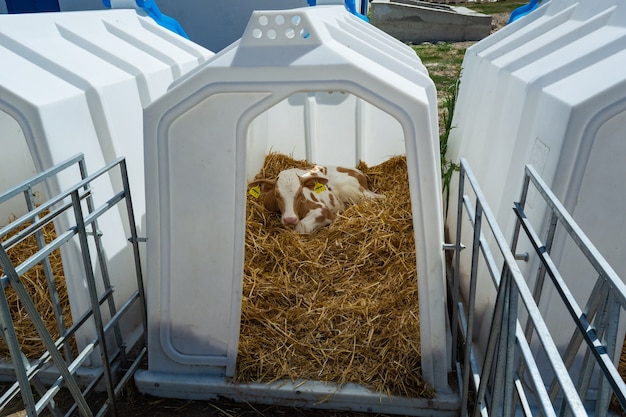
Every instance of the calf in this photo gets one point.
(349, 184)
(310, 199)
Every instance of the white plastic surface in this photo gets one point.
(78, 82)
(315, 394)
(550, 90)
(213, 24)
(297, 82)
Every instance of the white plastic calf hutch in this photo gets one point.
(77, 83)
(316, 83)
(550, 90)
(213, 24)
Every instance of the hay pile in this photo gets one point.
(35, 282)
(339, 305)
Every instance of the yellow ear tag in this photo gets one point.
(255, 191)
(319, 187)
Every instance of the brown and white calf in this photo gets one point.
(310, 199)
(349, 184)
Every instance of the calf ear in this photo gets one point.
(310, 181)
(319, 169)
(264, 185)
(265, 192)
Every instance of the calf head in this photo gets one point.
(298, 195)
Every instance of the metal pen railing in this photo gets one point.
(504, 378)
(596, 324)
(117, 367)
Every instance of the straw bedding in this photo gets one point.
(35, 282)
(339, 305)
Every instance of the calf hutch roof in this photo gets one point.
(313, 83)
(77, 83)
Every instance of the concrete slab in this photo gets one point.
(418, 21)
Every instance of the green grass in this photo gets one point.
(443, 61)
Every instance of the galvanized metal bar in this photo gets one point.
(35, 258)
(469, 331)
(10, 337)
(64, 237)
(61, 380)
(472, 297)
(599, 315)
(535, 321)
(135, 243)
(492, 267)
(36, 383)
(501, 352)
(37, 220)
(490, 358)
(31, 310)
(131, 370)
(45, 358)
(474, 369)
(510, 374)
(593, 303)
(50, 203)
(579, 317)
(610, 325)
(93, 295)
(532, 309)
(592, 254)
(538, 290)
(56, 206)
(524, 404)
(47, 270)
(95, 342)
(39, 178)
(516, 229)
(530, 368)
(104, 269)
(541, 272)
(456, 286)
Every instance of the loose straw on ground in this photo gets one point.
(34, 281)
(339, 305)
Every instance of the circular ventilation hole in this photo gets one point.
(263, 20)
(290, 33)
(271, 34)
(257, 33)
(296, 19)
(305, 33)
(279, 19)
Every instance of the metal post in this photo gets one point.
(135, 242)
(490, 353)
(501, 344)
(93, 295)
(31, 310)
(10, 337)
(48, 273)
(104, 270)
(456, 296)
(510, 373)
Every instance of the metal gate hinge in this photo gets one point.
(139, 239)
(453, 246)
(524, 256)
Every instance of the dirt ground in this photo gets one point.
(498, 21)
